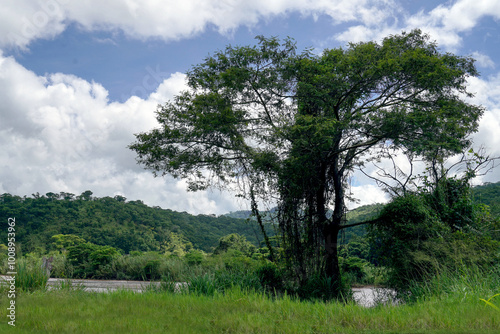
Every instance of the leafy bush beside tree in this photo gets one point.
(417, 236)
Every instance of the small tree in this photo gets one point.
(235, 242)
(63, 241)
(289, 128)
(177, 245)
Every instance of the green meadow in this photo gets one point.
(448, 304)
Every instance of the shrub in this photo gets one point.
(222, 280)
(356, 267)
(102, 255)
(91, 260)
(235, 242)
(404, 225)
(416, 242)
(78, 256)
(318, 287)
(195, 257)
(270, 277)
(146, 266)
(61, 267)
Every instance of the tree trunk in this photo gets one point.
(332, 269)
(332, 228)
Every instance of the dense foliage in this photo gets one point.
(116, 222)
(418, 236)
(489, 194)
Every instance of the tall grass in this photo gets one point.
(489, 302)
(241, 311)
(152, 266)
(30, 276)
(222, 280)
(462, 283)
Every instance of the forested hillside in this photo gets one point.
(126, 225)
(489, 194)
(132, 225)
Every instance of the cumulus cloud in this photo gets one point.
(25, 20)
(487, 94)
(367, 194)
(22, 21)
(483, 60)
(60, 133)
(444, 23)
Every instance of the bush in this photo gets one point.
(91, 260)
(415, 242)
(102, 255)
(356, 267)
(235, 242)
(270, 277)
(404, 225)
(78, 256)
(194, 258)
(222, 280)
(146, 266)
(61, 267)
(323, 288)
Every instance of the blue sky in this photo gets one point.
(120, 63)
(78, 79)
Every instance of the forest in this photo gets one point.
(112, 221)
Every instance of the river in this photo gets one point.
(365, 296)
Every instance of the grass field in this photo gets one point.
(65, 311)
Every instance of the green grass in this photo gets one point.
(463, 282)
(451, 302)
(236, 311)
(30, 276)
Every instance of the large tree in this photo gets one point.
(293, 126)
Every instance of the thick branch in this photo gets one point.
(373, 221)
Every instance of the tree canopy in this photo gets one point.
(292, 126)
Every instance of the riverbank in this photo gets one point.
(367, 296)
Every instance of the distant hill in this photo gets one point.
(247, 214)
(362, 213)
(358, 215)
(489, 194)
(127, 225)
(242, 214)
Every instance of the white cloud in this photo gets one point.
(487, 94)
(362, 33)
(22, 21)
(483, 60)
(464, 14)
(367, 194)
(60, 133)
(444, 23)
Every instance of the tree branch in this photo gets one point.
(373, 221)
